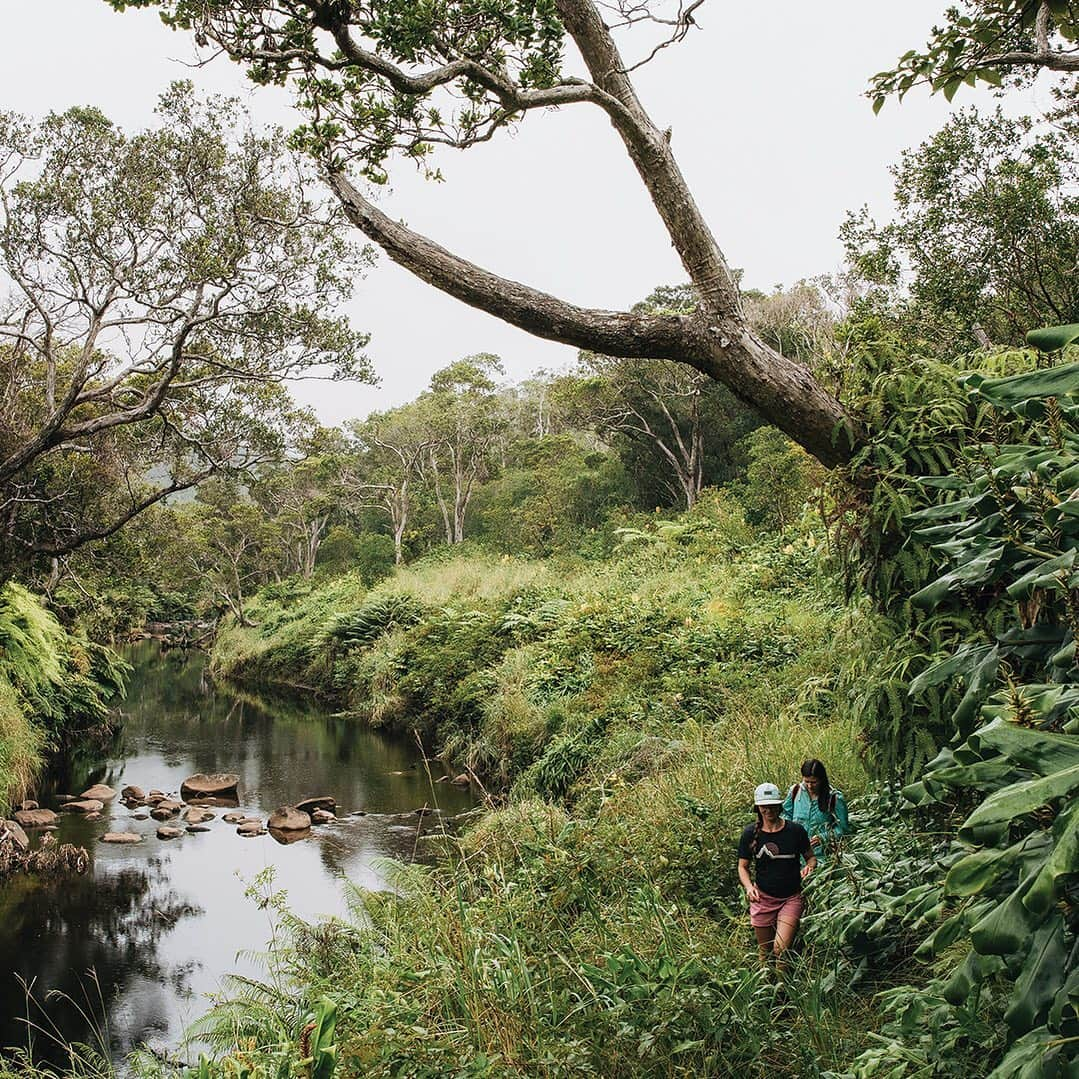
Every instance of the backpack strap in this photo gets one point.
(796, 790)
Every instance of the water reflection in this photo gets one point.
(161, 922)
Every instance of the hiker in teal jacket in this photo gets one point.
(818, 808)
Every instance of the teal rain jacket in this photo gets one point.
(805, 811)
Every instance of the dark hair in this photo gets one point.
(815, 769)
(757, 830)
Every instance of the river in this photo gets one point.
(137, 944)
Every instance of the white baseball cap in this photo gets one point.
(767, 794)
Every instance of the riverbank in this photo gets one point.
(166, 920)
(543, 675)
(50, 681)
(621, 711)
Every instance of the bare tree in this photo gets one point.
(658, 403)
(376, 83)
(392, 448)
(466, 423)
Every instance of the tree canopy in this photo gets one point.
(991, 41)
(161, 287)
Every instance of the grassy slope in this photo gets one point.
(629, 708)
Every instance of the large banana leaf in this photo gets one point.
(1051, 338)
(1021, 798)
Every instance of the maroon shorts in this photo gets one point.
(768, 910)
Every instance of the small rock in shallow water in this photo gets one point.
(249, 828)
(289, 819)
(234, 817)
(198, 827)
(156, 796)
(121, 837)
(195, 815)
(322, 816)
(99, 792)
(220, 784)
(29, 803)
(35, 818)
(133, 794)
(461, 781)
(166, 808)
(93, 816)
(169, 831)
(292, 835)
(140, 816)
(84, 805)
(309, 805)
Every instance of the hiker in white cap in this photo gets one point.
(775, 848)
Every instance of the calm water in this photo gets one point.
(161, 922)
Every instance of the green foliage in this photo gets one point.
(1003, 545)
(363, 626)
(49, 680)
(984, 238)
(779, 480)
(989, 41)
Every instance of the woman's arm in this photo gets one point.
(811, 864)
(747, 882)
(841, 826)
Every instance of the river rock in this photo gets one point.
(28, 803)
(84, 805)
(285, 836)
(133, 794)
(195, 815)
(289, 819)
(99, 792)
(18, 836)
(218, 785)
(198, 827)
(166, 808)
(169, 831)
(322, 816)
(309, 805)
(461, 781)
(121, 837)
(93, 815)
(35, 818)
(234, 817)
(140, 816)
(249, 828)
(156, 796)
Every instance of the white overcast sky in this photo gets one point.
(769, 125)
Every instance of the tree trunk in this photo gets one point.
(716, 339)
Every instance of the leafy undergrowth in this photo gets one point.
(49, 679)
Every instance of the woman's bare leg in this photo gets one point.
(784, 938)
(765, 935)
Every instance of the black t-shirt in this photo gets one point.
(777, 862)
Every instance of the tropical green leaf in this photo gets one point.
(1051, 338)
(1063, 862)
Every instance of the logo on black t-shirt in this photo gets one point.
(771, 850)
